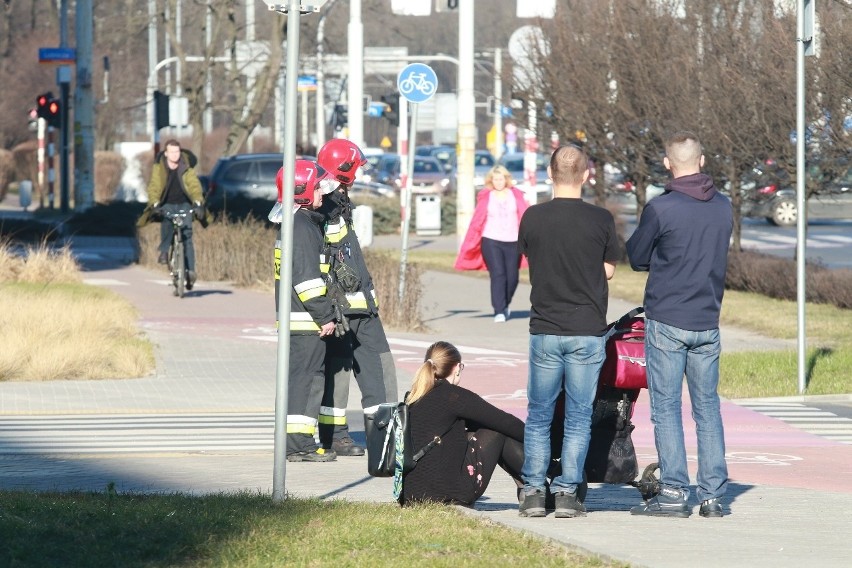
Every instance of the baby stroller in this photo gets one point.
(611, 457)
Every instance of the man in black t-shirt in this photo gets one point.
(572, 249)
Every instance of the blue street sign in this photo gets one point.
(306, 83)
(376, 109)
(417, 83)
(57, 55)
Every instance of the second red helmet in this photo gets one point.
(341, 158)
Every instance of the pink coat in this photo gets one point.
(470, 254)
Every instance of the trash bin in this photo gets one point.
(428, 212)
(362, 219)
(25, 193)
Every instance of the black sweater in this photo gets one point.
(439, 475)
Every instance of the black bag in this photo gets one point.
(612, 457)
(388, 434)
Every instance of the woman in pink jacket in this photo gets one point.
(491, 242)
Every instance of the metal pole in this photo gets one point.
(406, 191)
(355, 83)
(207, 119)
(84, 110)
(467, 121)
(498, 94)
(320, 95)
(285, 284)
(152, 65)
(801, 205)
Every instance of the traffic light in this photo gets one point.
(161, 110)
(392, 111)
(341, 116)
(42, 101)
(32, 119)
(54, 113)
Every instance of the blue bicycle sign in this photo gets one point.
(417, 83)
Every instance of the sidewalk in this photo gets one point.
(790, 496)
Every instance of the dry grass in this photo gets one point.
(53, 327)
(69, 331)
(241, 252)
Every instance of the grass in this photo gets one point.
(248, 530)
(746, 374)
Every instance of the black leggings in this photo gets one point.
(487, 449)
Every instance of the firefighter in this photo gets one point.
(311, 312)
(363, 348)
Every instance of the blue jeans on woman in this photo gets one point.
(671, 352)
(559, 362)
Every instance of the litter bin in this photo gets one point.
(428, 212)
(25, 193)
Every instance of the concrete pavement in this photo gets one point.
(790, 495)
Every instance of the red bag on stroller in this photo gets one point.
(624, 366)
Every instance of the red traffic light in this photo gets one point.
(33, 114)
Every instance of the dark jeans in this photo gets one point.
(503, 261)
(167, 230)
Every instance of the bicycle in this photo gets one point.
(177, 253)
(419, 82)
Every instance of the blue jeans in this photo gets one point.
(557, 362)
(167, 229)
(669, 353)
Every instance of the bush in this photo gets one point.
(114, 219)
(7, 171)
(109, 167)
(387, 220)
(776, 278)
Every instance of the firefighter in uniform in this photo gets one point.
(363, 348)
(312, 319)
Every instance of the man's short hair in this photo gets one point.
(568, 164)
(683, 148)
(171, 142)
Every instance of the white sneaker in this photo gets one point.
(499, 318)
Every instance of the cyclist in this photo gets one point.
(312, 320)
(363, 348)
(174, 186)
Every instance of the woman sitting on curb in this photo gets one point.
(479, 436)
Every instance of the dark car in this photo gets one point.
(446, 155)
(246, 176)
(514, 162)
(779, 206)
(250, 177)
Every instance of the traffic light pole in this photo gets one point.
(64, 78)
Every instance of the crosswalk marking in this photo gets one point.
(142, 433)
(812, 420)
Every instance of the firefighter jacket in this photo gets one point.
(310, 307)
(348, 270)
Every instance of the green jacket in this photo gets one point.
(189, 182)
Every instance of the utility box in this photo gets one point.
(362, 220)
(25, 193)
(428, 214)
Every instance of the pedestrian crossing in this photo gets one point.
(784, 241)
(812, 420)
(137, 433)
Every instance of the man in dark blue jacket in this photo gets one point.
(682, 241)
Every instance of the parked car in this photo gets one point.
(429, 176)
(780, 207)
(514, 162)
(252, 177)
(483, 161)
(446, 155)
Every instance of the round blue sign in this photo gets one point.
(417, 83)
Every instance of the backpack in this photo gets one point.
(624, 365)
(388, 433)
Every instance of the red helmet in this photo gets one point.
(341, 158)
(310, 179)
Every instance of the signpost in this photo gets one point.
(417, 83)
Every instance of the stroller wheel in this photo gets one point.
(648, 485)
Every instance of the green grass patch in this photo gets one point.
(247, 529)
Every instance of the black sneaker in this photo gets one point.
(163, 258)
(710, 508)
(318, 455)
(190, 279)
(533, 505)
(346, 447)
(669, 502)
(567, 505)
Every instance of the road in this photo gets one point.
(828, 242)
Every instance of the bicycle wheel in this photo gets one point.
(180, 270)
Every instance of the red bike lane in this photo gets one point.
(760, 450)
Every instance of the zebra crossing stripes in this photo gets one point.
(812, 420)
(138, 433)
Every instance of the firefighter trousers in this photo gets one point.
(304, 388)
(364, 351)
